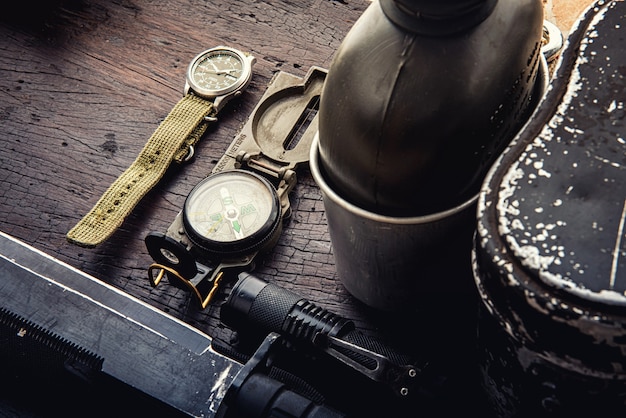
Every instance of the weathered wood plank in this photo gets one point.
(85, 84)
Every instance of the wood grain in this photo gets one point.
(84, 83)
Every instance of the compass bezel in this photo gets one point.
(241, 246)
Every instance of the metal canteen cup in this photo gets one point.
(392, 263)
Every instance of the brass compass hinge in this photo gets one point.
(284, 175)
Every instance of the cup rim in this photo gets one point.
(542, 85)
(377, 217)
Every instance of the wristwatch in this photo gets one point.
(237, 212)
(214, 77)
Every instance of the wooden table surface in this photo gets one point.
(84, 83)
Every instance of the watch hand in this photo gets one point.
(218, 72)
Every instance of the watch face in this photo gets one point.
(231, 212)
(218, 71)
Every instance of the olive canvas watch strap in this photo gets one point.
(182, 128)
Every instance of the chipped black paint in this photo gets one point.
(550, 253)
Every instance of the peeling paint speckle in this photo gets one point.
(551, 255)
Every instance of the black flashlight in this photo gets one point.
(255, 302)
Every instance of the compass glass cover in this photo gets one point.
(231, 206)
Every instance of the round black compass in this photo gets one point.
(232, 212)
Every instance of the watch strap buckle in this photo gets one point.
(187, 149)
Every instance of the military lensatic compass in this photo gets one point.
(237, 212)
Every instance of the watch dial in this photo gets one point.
(231, 207)
(217, 70)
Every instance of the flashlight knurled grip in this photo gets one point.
(276, 309)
